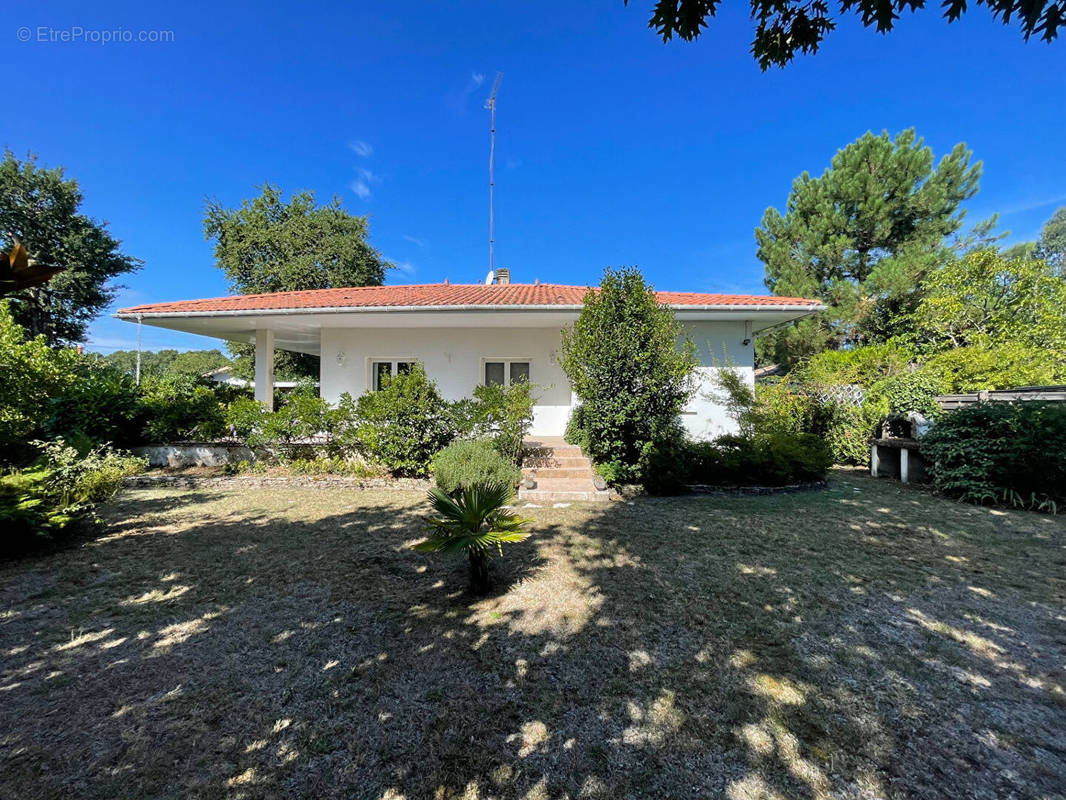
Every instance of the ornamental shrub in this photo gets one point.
(1008, 453)
(624, 362)
(177, 409)
(405, 424)
(503, 413)
(468, 463)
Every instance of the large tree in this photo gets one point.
(1052, 243)
(862, 237)
(269, 244)
(42, 208)
(786, 27)
(986, 299)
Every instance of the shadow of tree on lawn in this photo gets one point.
(861, 641)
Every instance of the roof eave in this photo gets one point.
(134, 315)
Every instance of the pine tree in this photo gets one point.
(861, 237)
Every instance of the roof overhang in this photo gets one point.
(299, 329)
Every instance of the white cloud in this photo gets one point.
(476, 79)
(415, 240)
(363, 183)
(405, 268)
(361, 148)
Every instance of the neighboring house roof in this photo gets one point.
(447, 296)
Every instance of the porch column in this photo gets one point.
(264, 368)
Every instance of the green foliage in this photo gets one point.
(911, 391)
(998, 366)
(245, 418)
(847, 429)
(1014, 454)
(40, 502)
(862, 366)
(269, 244)
(405, 424)
(763, 459)
(331, 466)
(473, 523)
(862, 236)
(625, 364)
(41, 207)
(58, 392)
(98, 403)
(472, 462)
(168, 363)
(1052, 244)
(502, 413)
(784, 28)
(178, 409)
(984, 299)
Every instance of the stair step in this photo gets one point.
(566, 462)
(538, 496)
(540, 473)
(565, 484)
(558, 450)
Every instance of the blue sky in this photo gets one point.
(612, 147)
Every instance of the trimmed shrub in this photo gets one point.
(776, 459)
(1014, 454)
(472, 462)
(405, 424)
(629, 363)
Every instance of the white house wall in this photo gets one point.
(454, 358)
(718, 344)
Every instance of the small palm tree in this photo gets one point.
(473, 522)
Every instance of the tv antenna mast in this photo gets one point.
(490, 104)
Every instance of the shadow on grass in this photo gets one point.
(864, 640)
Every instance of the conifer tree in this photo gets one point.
(862, 237)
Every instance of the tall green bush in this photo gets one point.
(405, 424)
(1014, 454)
(625, 363)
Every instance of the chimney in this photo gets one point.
(502, 276)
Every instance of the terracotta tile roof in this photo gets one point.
(439, 295)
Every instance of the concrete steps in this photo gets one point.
(558, 473)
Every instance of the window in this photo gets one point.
(506, 372)
(380, 370)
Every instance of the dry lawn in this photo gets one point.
(863, 641)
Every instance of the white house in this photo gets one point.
(463, 335)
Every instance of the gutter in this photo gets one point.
(746, 307)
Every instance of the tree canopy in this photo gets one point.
(786, 27)
(167, 363)
(269, 244)
(861, 237)
(986, 299)
(1052, 243)
(41, 207)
